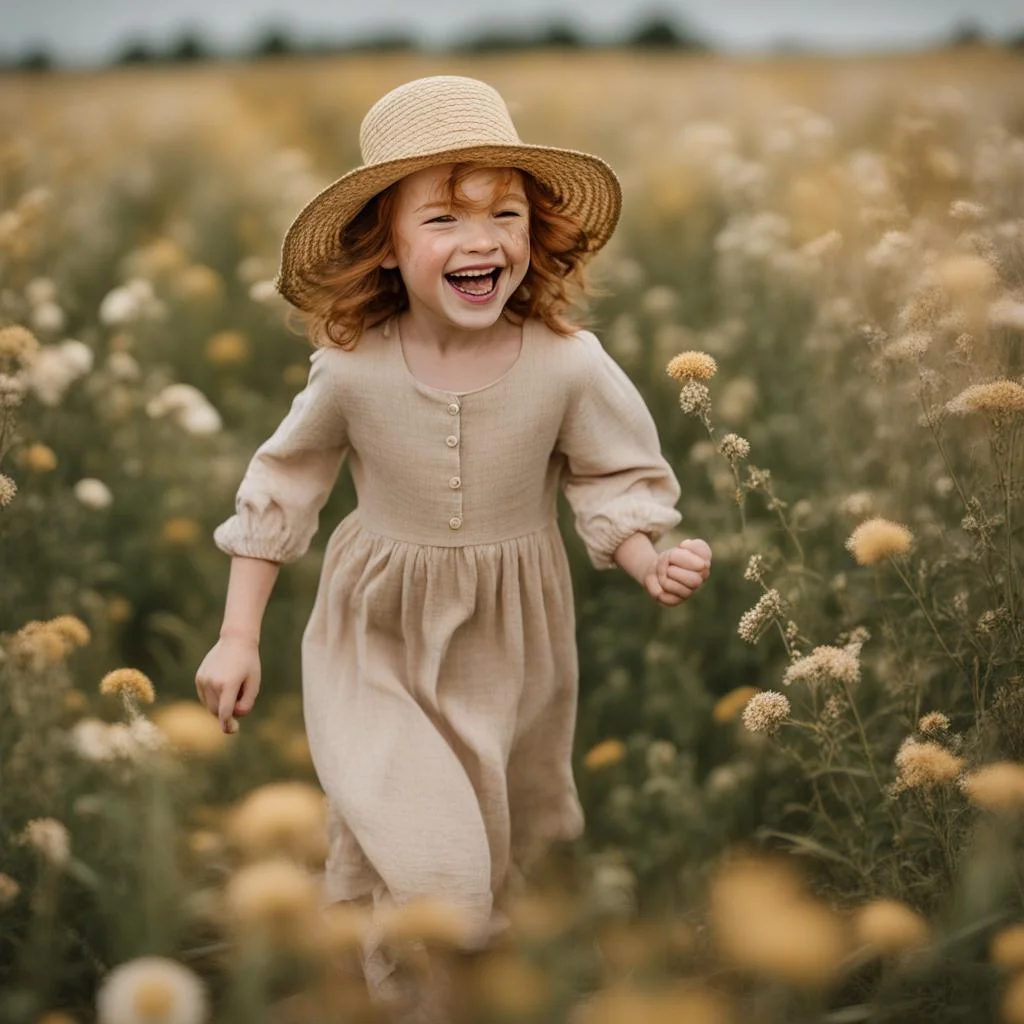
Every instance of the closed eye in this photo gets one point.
(509, 213)
(443, 218)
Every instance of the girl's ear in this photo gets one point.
(389, 262)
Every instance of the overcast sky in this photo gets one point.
(83, 32)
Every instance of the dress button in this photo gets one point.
(455, 483)
(451, 440)
(455, 522)
(453, 408)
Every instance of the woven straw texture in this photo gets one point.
(430, 121)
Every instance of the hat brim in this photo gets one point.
(586, 187)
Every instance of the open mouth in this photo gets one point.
(475, 285)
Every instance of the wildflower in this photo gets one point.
(343, 927)
(430, 920)
(40, 458)
(511, 986)
(93, 493)
(151, 990)
(754, 571)
(692, 366)
(677, 1002)
(37, 642)
(728, 707)
(198, 283)
(995, 397)
(275, 900)
(9, 889)
(129, 684)
(659, 300)
(605, 754)
(755, 621)
(190, 728)
(824, 663)
(18, 345)
(227, 348)
(280, 818)
(766, 712)
(967, 210)
(180, 531)
(857, 504)
(878, 538)
(967, 277)
(890, 927)
(921, 765)
(762, 920)
(734, 447)
(934, 722)
(694, 398)
(834, 709)
(996, 787)
(1007, 947)
(661, 754)
(49, 837)
(8, 489)
(908, 346)
(1011, 1007)
(95, 740)
(1007, 312)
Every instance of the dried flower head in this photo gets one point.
(431, 920)
(890, 927)
(8, 489)
(694, 397)
(996, 787)
(72, 629)
(9, 889)
(129, 684)
(922, 765)
(766, 712)
(967, 210)
(149, 990)
(18, 345)
(933, 723)
(48, 837)
(824, 664)
(757, 619)
(692, 366)
(286, 818)
(734, 447)
(754, 571)
(605, 754)
(273, 900)
(908, 346)
(39, 458)
(39, 643)
(190, 728)
(998, 397)
(878, 538)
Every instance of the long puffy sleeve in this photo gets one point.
(291, 475)
(616, 481)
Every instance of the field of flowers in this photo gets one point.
(804, 789)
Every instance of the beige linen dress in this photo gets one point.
(439, 666)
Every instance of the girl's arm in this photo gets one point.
(249, 586)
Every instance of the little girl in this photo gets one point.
(439, 667)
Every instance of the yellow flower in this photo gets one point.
(889, 927)
(997, 396)
(275, 900)
(39, 458)
(343, 927)
(1012, 1006)
(151, 989)
(286, 818)
(509, 985)
(1007, 947)
(996, 787)
(18, 344)
(128, 683)
(181, 531)
(605, 754)
(429, 920)
(692, 366)
(878, 538)
(624, 1004)
(227, 348)
(198, 283)
(729, 707)
(190, 728)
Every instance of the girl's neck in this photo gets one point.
(443, 339)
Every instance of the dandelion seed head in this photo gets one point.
(766, 712)
(692, 366)
(128, 683)
(995, 397)
(934, 723)
(878, 538)
(924, 764)
(734, 447)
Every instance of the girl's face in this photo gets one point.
(461, 261)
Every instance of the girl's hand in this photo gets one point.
(228, 680)
(677, 573)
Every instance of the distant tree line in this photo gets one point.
(657, 32)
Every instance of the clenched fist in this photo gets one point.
(676, 574)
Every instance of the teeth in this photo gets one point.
(473, 273)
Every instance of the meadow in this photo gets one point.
(804, 789)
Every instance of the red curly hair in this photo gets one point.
(356, 291)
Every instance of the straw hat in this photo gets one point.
(439, 120)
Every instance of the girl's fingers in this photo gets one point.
(687, 560)
(687, 577)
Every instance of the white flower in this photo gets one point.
(49, 837)
(47, 317)
(91, 740)
(151, 990)
(123, 366)
(263, 291)
(188, 407)
(93, 493)
(40, 290)
(78, 355)
(1007, 312)
(200, 419)
(118, 307)
(56, 367)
